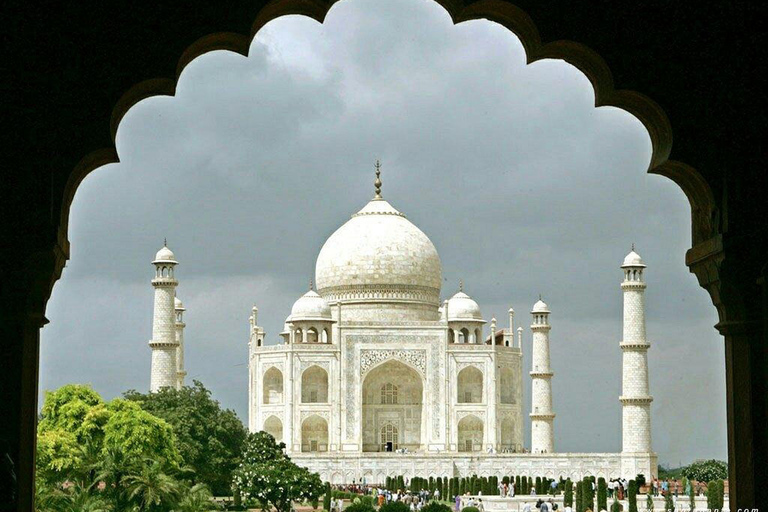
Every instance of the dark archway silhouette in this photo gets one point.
(74, 70)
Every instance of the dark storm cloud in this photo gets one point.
(523, 186)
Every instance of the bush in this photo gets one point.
(395, 506)
(327, 497)
(705, 471)
(615, 506)
(649, 503)
(359, 507)
(669, 505)
(720, 494)
(434, 506)
(470, 509)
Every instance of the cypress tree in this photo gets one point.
(579, 496)
(602, 494)
(401, 482)
(692, 495)
(720, 494)
(461, 486)
(712, 495)
(669, 505)
(538, 485)
(649, 502)
(615, 506)
(327, 497)
(518, 490)
(588, 501)
(568, 493)
(632, 495)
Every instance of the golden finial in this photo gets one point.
(311, 285)
(165, 242)
(461, 285)
(633, 246)
(377, 183)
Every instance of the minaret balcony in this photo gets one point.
(635, 345)
(636, 400)
(164, 281)
(542, 375)
(542, 415)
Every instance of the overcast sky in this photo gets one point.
(522, 185)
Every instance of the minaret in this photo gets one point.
(635, 400)
(163, 342)
(180, 372)
(542, 417)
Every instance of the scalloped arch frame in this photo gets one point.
(648, 112)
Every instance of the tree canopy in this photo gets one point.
(209, 438)
(269, 477)
(706, 470)
(77, 426)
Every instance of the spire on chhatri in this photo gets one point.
(633, 246)
(377, 183)
(461, 285)
(311, 285)
(165, 242)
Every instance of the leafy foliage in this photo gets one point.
(395, 506)
(268, 476)
(434, 506)
(706, 470)
(470, 509)
(95, 456)
(649, 503)
(210, 439)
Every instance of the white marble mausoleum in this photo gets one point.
(374, 375)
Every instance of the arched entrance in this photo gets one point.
(393, 396)
(274, 427)
(273, 386)
(470, 386)
(314, 386)
(470, 434)
(314, 434)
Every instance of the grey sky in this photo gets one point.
(523, 186)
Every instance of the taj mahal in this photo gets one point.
(374, 375)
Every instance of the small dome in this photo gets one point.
(462, 307)
(540, 307)
(178, 305)
(633, 260)
(310, 306)
(165, 255)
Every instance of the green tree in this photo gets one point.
(568, 494)
(705, 471)
(602, 494)
(615, 506)
(720, 494)
(712, 495)
(580, 496)
(669, 505)
(632, 495)
(210, 439)
(197, 498)
(269, 476)
(327, 497)
(152, 490)
(588, 500)
(649, 502)
(691, 495)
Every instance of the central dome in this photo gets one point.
(379, 256)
